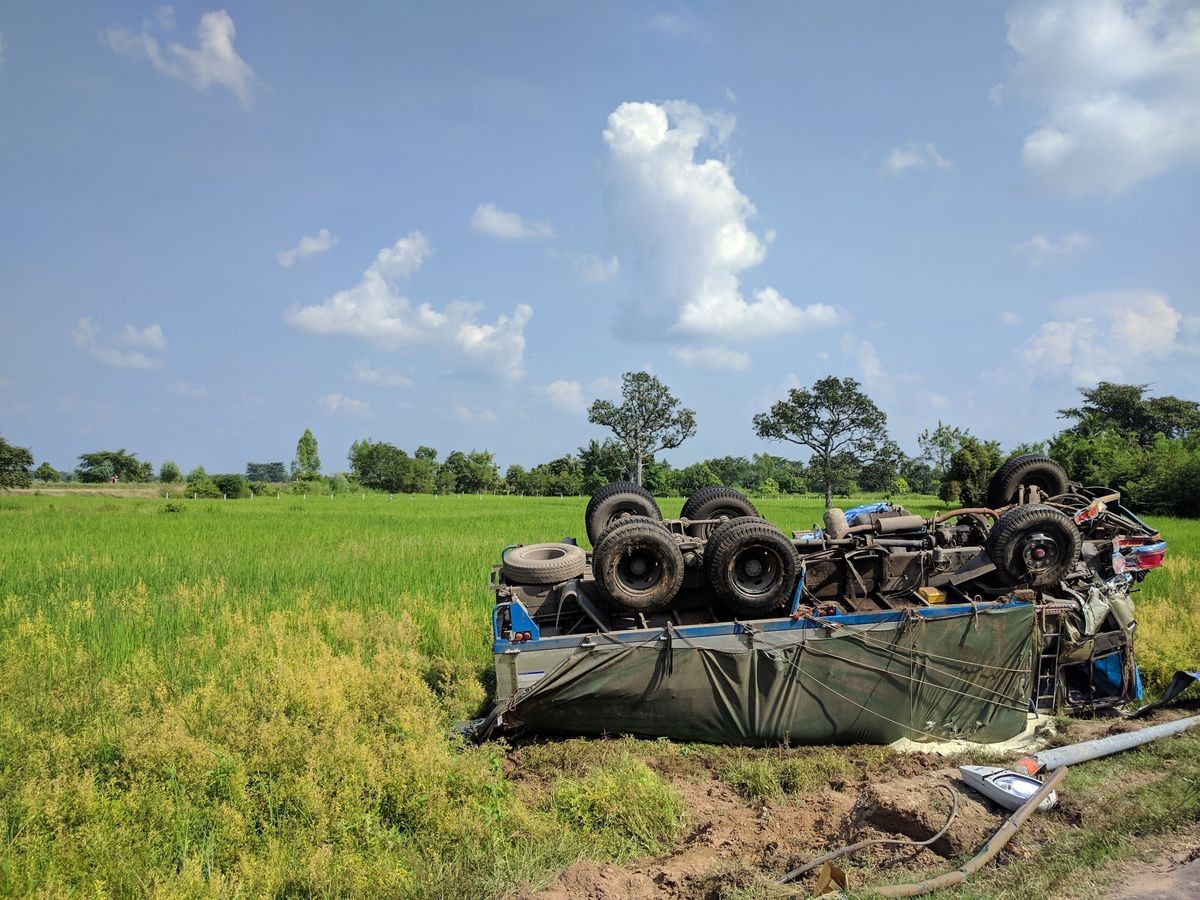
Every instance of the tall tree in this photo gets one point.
(307, 463)
(938, 445)
(971, 468)
(46, 472)
(602, 462)
(841, 426)
(1126, 409)
(14, 465)
(169, 472)
(649, 419)
(104, 464)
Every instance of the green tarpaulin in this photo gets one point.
(954, 676)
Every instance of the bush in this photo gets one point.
(232, 485)
(173, 507)
(169, 473)
(626, 807)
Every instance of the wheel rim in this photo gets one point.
(639, 569)
(1040, 552)
(755, 571)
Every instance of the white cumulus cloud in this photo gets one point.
(712, 358)
(309, 245)
(1042, 249)
(684, 222)
(914, 155)
(566, 395)
(1105, 336)
(489, 219)
(336, 404)
(471, 415)
(1119, 85)
(375, 310)
(88, 336)
(213, 60)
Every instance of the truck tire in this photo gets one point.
(543, 563)
(638, 566)
(1034, 545)
(715, 535)
(1029, 469)
(753, 567)
(614, 502)
(715, 502)
(631, 520)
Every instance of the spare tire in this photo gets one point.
(753, 567)
(614, 502)
(1034, 545)
(715, 502)
(638, 566)
(543, 563)
(1028, 469)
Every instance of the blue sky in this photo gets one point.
(458, 224)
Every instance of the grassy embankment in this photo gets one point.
(253, 697)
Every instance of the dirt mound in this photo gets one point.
(731, 840)
(915, 808)
(588, 880)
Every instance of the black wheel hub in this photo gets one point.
(639, 569)
(756, 571)
(1040, 552)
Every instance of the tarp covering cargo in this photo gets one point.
(956, 672)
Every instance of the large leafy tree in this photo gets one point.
(839, 424)
(307, 463)
(168, 472)
(46, 472)
(971, 468)
(14, 465)
(102, 465)
(649, 419)
(265, 472)
(603, 462)
(1126, 409)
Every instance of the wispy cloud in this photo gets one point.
(88, 336)
(339, 404)
(914, 155)
(566, 395)
(489, 219)
(1042, 249)
(597, 269)
(712, 358)
(213, 60)
(309, 245)
(380, 377)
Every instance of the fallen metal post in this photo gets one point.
(1077, 753)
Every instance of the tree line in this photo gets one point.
(1147, 447)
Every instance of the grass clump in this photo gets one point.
(622, 804)
(787, 772)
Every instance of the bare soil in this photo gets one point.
(731, 840)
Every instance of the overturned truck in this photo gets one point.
(882, 624)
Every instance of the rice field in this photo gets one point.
(254, 697)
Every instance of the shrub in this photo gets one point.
(627, 808)
(232, 485)
(173, 507)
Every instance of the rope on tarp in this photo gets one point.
(912, 678)
(862, 636)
